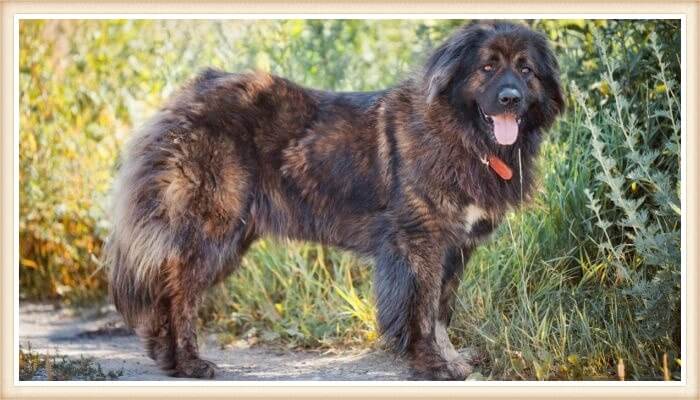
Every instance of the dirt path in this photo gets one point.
(112, 346)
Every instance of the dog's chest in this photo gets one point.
(476, 222)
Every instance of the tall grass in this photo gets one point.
(301, 294)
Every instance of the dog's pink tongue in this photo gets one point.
(505, 127)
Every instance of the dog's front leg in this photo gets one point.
(408, 285)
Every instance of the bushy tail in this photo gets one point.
(140, 242)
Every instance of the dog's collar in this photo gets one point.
(498, 166)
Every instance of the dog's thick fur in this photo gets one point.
(396, 175)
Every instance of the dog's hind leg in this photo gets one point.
(186, 284)
(209, 192)
(185, 292)
(182, 203)
(157, 335)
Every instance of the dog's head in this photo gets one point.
(500, 78)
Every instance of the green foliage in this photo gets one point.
(33, 365)
(586, 276)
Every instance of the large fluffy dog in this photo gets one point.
(414, 176)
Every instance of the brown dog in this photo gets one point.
(414, 176)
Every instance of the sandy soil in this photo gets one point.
(112, 346)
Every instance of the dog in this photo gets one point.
(413, 177)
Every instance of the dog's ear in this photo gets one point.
(441, 68)
(549, 75)
(444, 64)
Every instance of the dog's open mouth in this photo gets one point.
(504, 126)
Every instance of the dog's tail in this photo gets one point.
(140, 242)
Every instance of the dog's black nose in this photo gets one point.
(509, 96)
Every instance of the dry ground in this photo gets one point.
(113, 347)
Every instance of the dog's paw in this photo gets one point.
(454, 370)
(458, 369)
(195, 368)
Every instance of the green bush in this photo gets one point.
(584, 280)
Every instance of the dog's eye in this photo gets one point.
(487, 67)
(525, 70)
